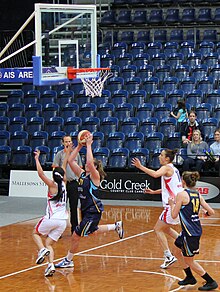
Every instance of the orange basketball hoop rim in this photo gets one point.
(73, 72)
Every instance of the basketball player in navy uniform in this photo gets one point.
(91, 205)
(186, 206)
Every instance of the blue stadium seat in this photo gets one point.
(215, 73)
(119, 48)
(213, 97)
(176, 35)
(108, 18)
(158, 60)
(21, 156)
(44, 157)
(137, 48)
(210, 35)
(4, 137)
(109, 125)
(17, 124)
(157, 97)
(194, 98)
(172, 16)
(134, 140)
(167, 126)
(72, 124)
(15, 96)
(133, 83)
(182, 72)
(162, 110)
(107, 60)
(48, 96)
(204, 15)
(16, 110)
(187, 85)
(137, 97)
(102, 153)
(119, 96)
(64, 97)
(144, 110)
(209, 125)
(142, 154)
(128, 71)
(148, 125)
(193, 35)
(115, 70)
(153, 141)
(216, 17)
(125, 59)
(216, 112)
(115, 140)
(187, 48)
(130, 125)
(160, 35)
(124, 110)
(3, 109)
(18, 138)
(127, 37)
(98, 140)
(154, 48)
(35, 124)
(4, 123)
(188, 16)
(87, 110)
(81, 98)
(145, 71)
(69, 110)
(162, 72)
(203, 111)
(54, 124)
(173, 141)
(115, 83)
(173, 97)
(92, 124)
(150, 84)
(199, 72)
(170, 84)
(170, 48)
(139, 17)
(206, 48)
(124, 17)
(206, 85)
(211, 60)
(5, 155)
(174, 60)
(38, 138)
(105, 110)
(50, 110)
(33, 110)
(55, 139)
(119, 158)
(194, 59)
(32, 96)
(143, 36)
(156, 16)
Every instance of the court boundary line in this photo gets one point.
(79, 253)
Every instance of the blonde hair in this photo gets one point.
(200, 136)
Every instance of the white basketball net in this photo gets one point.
(94, 86)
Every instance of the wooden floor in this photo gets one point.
(105, 263)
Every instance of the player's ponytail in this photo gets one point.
(190, 178)
(58, 175)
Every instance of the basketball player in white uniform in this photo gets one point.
(170, 185)
(53, 224)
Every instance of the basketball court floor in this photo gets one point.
(103, 263)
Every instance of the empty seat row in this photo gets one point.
(160, 16)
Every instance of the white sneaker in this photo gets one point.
(168, 261)
(119, 229)
(41, 255)
(65, 264)
(50, 270)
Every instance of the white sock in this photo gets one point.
(167, 253)
(69, 256)
(111, 227)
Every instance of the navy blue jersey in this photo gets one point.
(88, 194)
(189, 215)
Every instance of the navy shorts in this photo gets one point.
(188, 244)
(89, 223)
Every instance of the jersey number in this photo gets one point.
(195, 203)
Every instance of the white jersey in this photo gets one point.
(171, 185)
(57, 209)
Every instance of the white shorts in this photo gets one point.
(53, 228)
(166, 217)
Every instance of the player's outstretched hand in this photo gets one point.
(89, 139)
(136, 162)
(148, 191)
(36, 154)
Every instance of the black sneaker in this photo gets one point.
(187, 281)
(208, 286)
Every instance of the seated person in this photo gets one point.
(195, 152)
(188, 128)
(215, 148)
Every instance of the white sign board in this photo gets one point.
(27, 184)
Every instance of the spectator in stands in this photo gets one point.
(215, 148)
(188, 128)
(72, 180)
(182, 114)
(195, 152)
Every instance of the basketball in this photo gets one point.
(81, 137)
